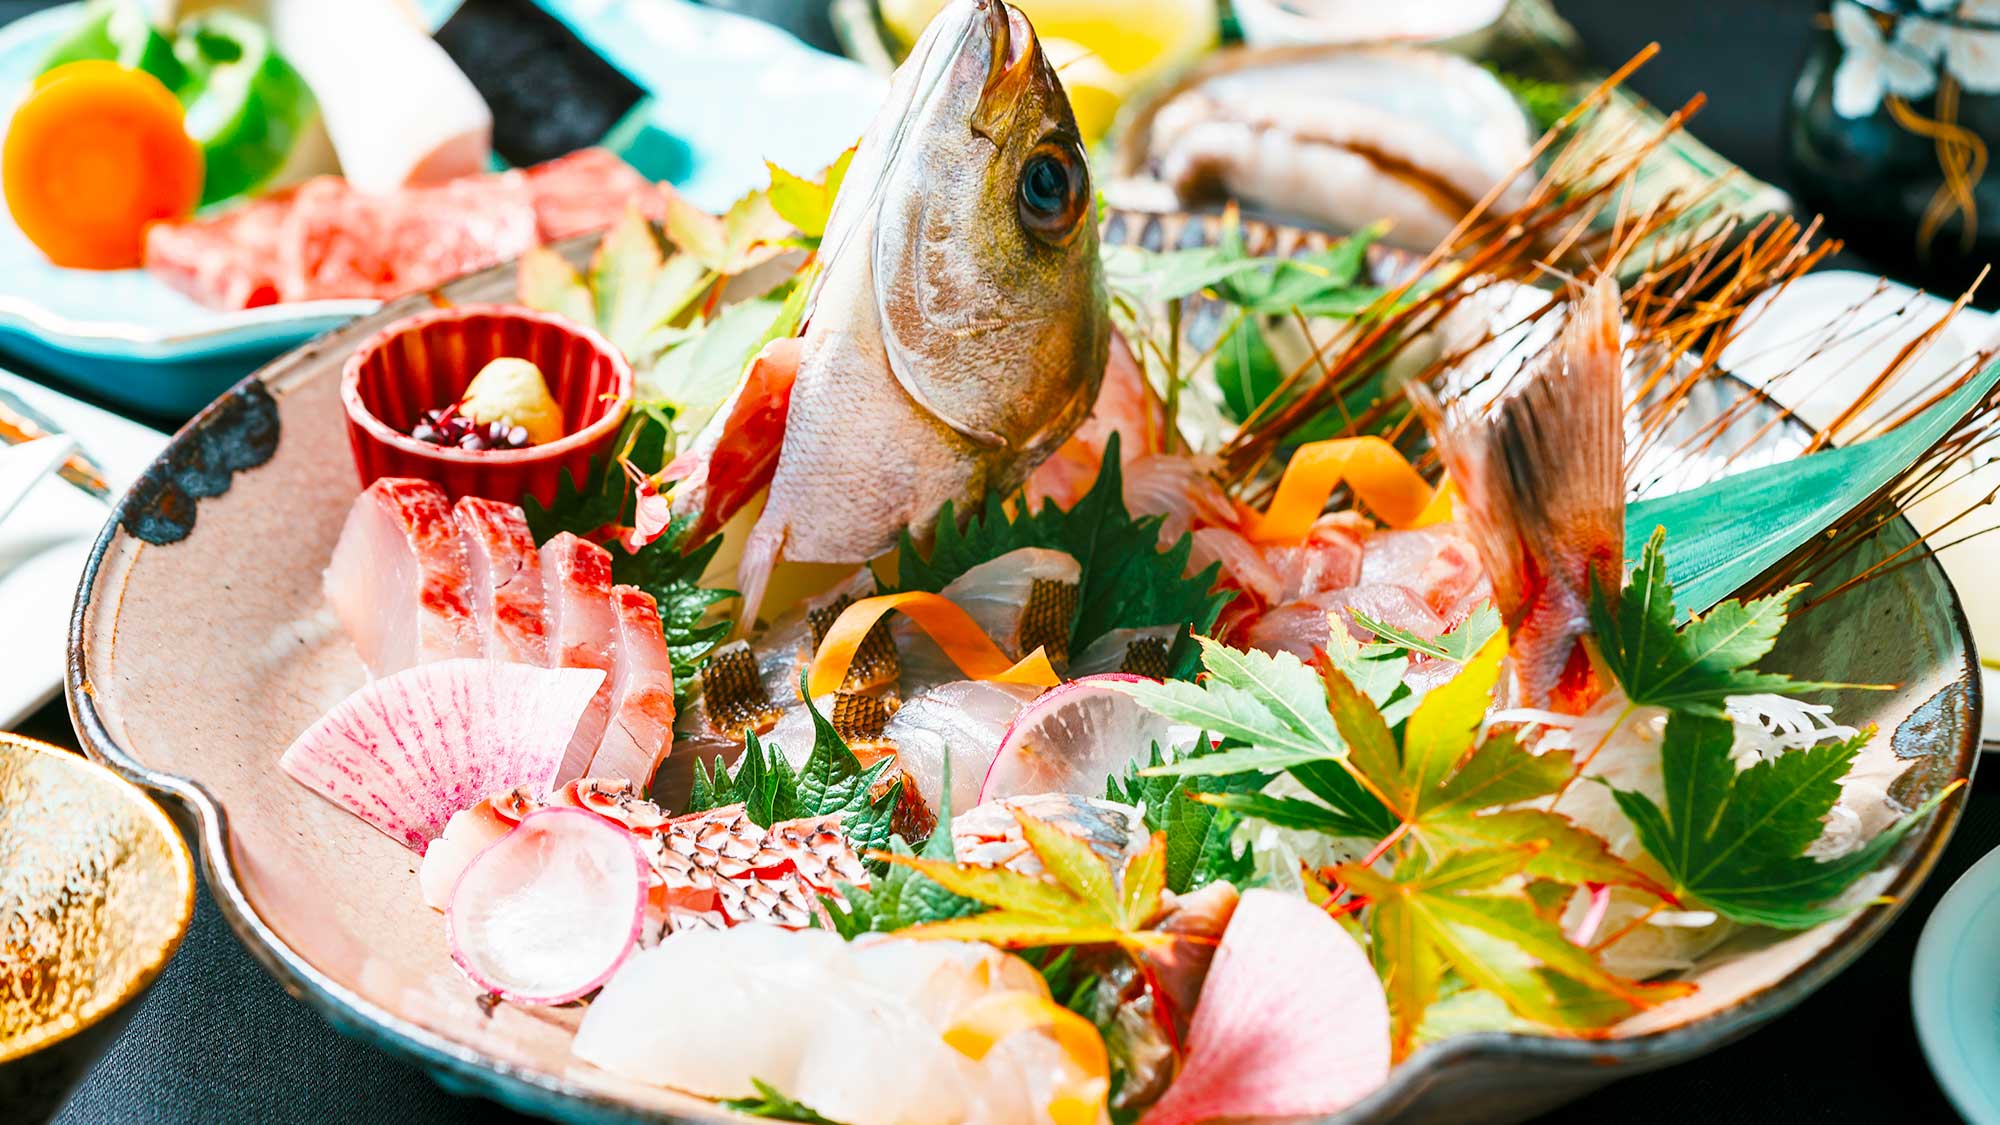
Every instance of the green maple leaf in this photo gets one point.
(1079, 901)
(803, 203)
(1198, 832)
(1735, 840)
(900, 897)
(1696, 667)
(1127, 582)
(1452, 791)
(1467, 912)
(774, 1104)
(634, 290)
(832, 782)
(1271, 704)
(1457, 646)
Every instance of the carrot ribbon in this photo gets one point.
(1378, 474)
(952, 628)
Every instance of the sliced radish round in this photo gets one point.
(548, 912)
(1072, 738)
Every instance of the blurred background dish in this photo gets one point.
(1955, 989)
(96, 889)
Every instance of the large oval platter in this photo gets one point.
(200, 647)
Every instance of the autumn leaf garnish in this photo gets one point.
(1079, 901)
(1451, 790)
(1736, 839)
(1468, 912)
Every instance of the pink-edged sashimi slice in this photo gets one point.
(1292, 1021)
(641, 730)
(506, 587)
(399, 578)
(407, 751)
(583, 633)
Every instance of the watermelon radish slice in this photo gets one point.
(1292, 1021)
(1071, 738)
(407, 751)
(548, 912)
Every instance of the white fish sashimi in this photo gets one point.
(505, 580)
(399, 578)
(1013, 598)
(583, 632)
(964, 719)
(407, 751)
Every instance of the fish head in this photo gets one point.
(971, 201)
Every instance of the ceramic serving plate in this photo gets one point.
(200, 647)
(735, 90)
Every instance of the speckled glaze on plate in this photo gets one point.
(96, 890)
(199, 647)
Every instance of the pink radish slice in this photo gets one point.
(1071, 739)
(548, 912)
(1292, 1020)
(407, 751)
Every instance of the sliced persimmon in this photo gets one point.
(95, 154)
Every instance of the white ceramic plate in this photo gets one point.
(43, 544)
(1955, 992)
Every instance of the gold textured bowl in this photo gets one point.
(96, 889)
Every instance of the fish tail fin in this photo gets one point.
(736, 454)
(1541, 485)
(753, 571)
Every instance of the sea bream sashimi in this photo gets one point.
(506, 580)
(583, 632)
(959, 330)
(641, 730)
(399, 581)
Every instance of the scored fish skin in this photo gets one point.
(641, 730)
(505, 580)
(959, 331)
(399, 576)
(583, 633)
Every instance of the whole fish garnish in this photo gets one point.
(958, 332)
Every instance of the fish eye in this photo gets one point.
(1053, 192)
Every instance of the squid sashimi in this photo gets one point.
(896, 1031)
(583, 632)
(641, 730)
(399, 579)
(505, 581)
(408, 751)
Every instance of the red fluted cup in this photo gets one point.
(425, 361)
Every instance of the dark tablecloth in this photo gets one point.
(217, 1041)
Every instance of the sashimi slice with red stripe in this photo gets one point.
(641, 730)
(399, 580)
(583, 633)
(506, 581)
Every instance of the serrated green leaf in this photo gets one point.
(804, 203)
(1694, 668)
(1127, 580)
(1736, 840)
(1198, 848)
(1271, 703)
(548, 282)
(775, 1105)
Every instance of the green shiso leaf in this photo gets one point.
(1735, 840)
(901, 897)
(1729, 531)
(833, 782)
(1198, 832)
(772, 1103)
(1128, 582)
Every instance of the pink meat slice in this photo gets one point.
(227, 261)
(641, 731)
(583, 633)
(589, 190)
(342, 242)
(506, 587)
(399, 578)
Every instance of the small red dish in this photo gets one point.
(425, 361)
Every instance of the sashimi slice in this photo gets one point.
(641, 730)
(1072, 738)
(583, 633)
(733, 457)
(506, 580)
(547, 913)
(399, 578)
(407, 751)
(1292, 1020)
(465, 835)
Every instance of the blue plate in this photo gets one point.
(1955, 991)
(736, 91)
